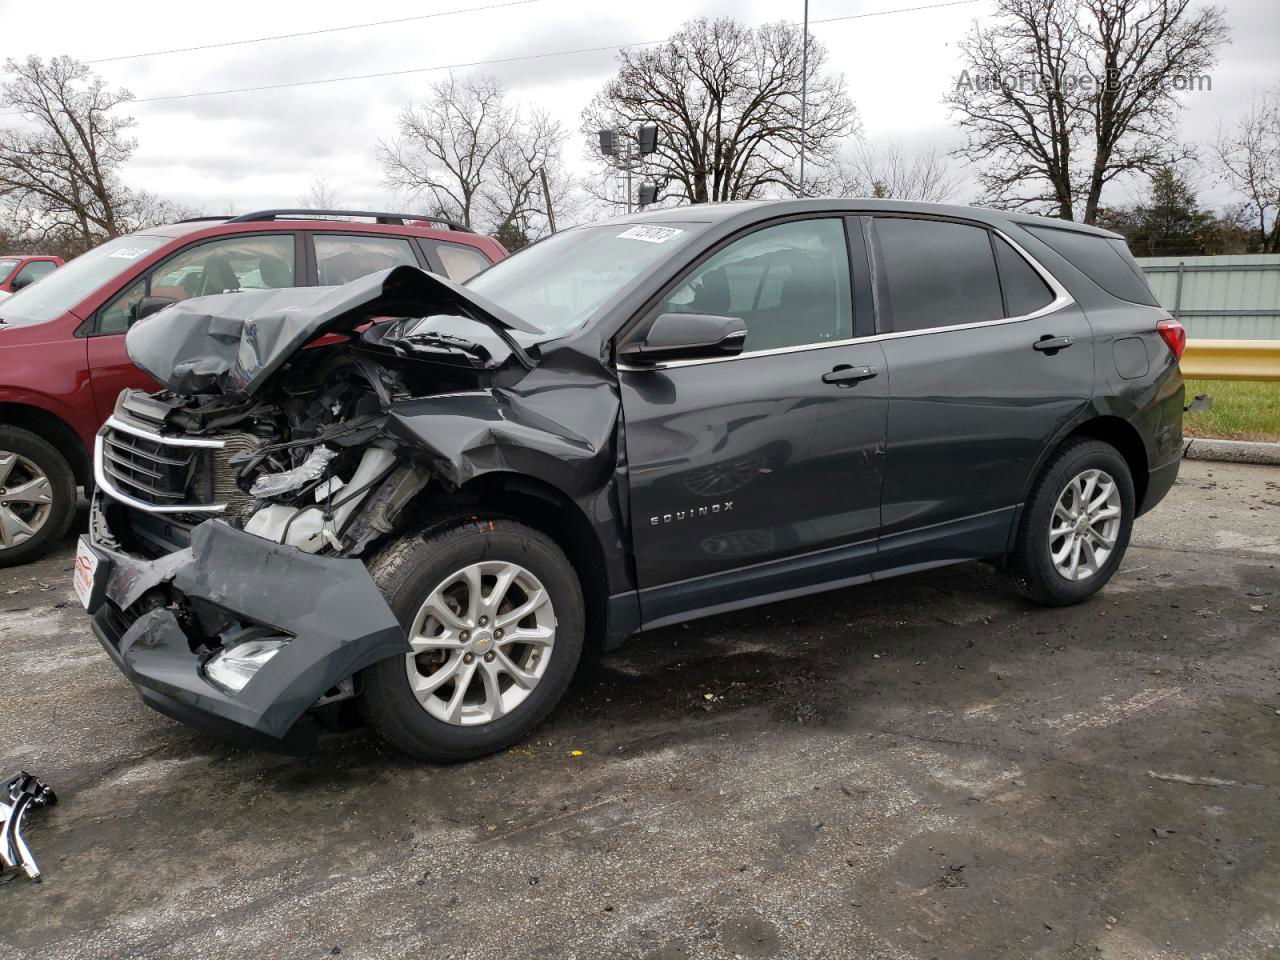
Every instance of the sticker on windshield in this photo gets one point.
(650, 234)
(129, 253)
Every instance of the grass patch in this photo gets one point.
(1242, 410)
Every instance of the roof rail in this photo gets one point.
(399, 219)
(216, 216)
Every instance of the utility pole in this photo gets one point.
(804, 90)
(546, 195)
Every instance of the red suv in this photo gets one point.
(21, 270)
(62, 355)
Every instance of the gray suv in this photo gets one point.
(419, 502)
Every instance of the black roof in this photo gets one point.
(749, 211)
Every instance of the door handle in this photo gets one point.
(845, 375)
(1050, 344)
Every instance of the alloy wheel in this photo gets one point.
(26, 499)
(481, 642)
(1085, 525)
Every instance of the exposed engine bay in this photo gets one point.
(299, 431)
(295, 449)
(294, 464)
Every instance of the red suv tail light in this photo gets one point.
(1174, 335)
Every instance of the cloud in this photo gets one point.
(265, 147)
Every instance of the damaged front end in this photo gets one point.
(225, 563)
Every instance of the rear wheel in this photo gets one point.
(37, 495)
(1076, 524)
(494, 614)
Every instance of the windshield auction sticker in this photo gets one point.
(650, 234)
(129, 253)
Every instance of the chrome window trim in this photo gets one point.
(103, 480)
(1061, 299)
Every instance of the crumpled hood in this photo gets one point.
(231, 343)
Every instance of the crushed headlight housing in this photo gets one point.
(234, 667)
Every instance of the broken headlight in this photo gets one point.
(234, 667)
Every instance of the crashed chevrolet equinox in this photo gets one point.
(421, 502)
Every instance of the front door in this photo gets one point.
(759, 474)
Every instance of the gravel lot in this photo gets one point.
(922, 768)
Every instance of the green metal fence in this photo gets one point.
(1220, 298)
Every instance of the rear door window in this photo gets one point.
(1024, 290)
(937, 273)
(6, 267)
(460, 262)
(1104, 260)
(343, 258)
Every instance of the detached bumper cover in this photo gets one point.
(338, 618)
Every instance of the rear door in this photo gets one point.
(760, 474)
(990, 358)
(222, 265)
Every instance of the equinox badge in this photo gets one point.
(691, 513)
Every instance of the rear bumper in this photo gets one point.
(1159, 482)
(143, 612)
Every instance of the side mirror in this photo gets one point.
(687, 336)
(149, 305)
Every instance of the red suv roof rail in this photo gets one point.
(399, 219)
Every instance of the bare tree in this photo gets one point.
(1063, 96)
(527, 187)
(893, 172)
(1248, 158)
(59, 165)
(447, 144)
(726, 101)
(320, 195)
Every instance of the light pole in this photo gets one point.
(646, 143)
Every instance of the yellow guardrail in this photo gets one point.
(1232, 360)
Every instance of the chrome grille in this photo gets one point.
(150, 470)
(160, 474)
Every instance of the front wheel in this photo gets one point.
(1076, 524)
(494, 614)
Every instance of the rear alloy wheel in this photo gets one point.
(37, 495)
(494, 615)
(1075, 525)
(1085, 525)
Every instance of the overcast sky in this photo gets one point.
(249, 150)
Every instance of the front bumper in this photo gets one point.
(338, 619)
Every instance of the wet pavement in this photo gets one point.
(928, 767)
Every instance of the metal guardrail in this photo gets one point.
(1232, 360)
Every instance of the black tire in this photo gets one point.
(1031, 566)
(407, 572)
(62, 481)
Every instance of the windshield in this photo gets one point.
(559, 282)
(6, 267)
(64, 288)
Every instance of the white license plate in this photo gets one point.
(82, 573)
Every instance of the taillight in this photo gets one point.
(1174, 336)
